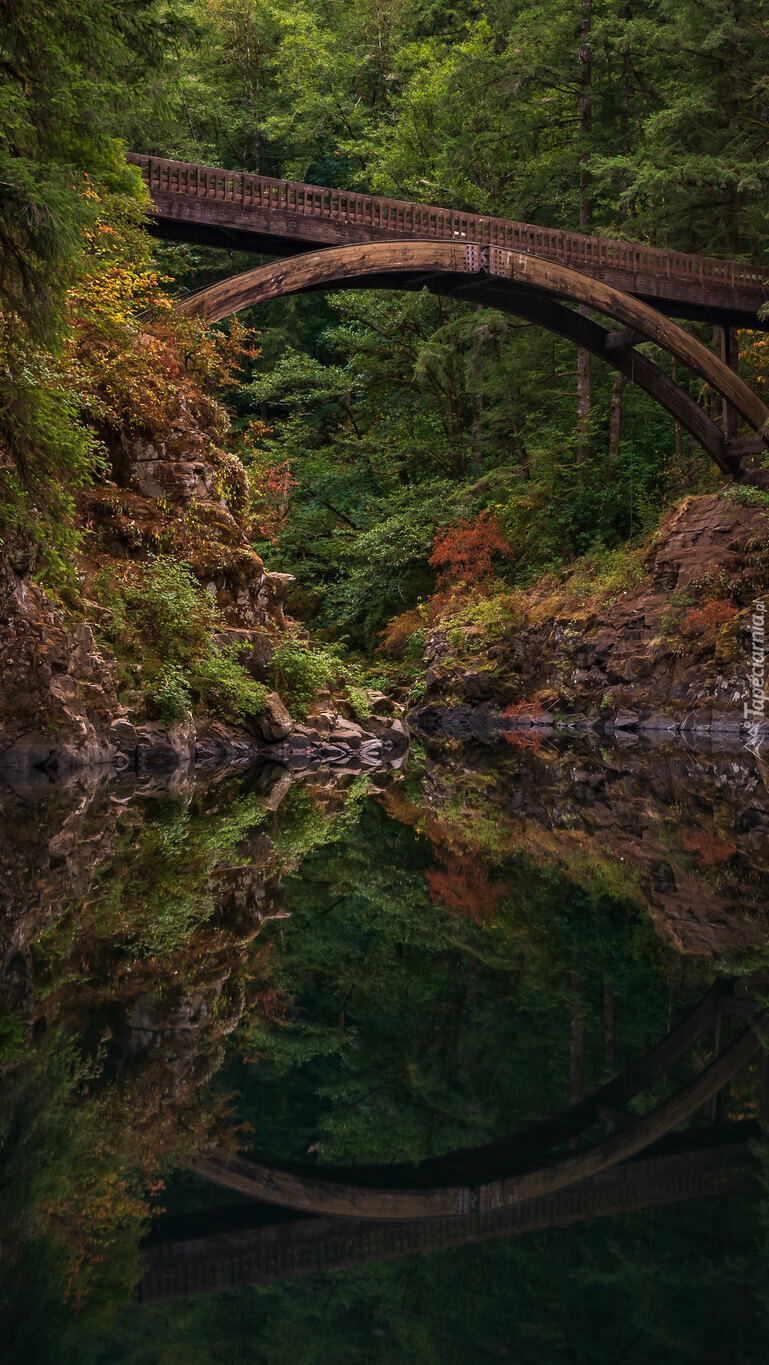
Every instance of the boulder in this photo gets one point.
(626, 720)
(477, 685)
(658, 720)
(255, 649)
(273, 724)
(348, 733)
(158, 747)
(379, 704)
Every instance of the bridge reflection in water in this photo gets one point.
(523, 1184)
(301, 1246)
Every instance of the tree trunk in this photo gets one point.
(584, 385)
(728, 349)
(734, 123)
(584, 399)
(585, 114)
(577, 1045)
(615, 422)
(520, 452)
(674, 377)
(476, 386)
(626, 205)
(477, 434)
(608, 1023)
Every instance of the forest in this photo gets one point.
(309, 521)
(393, 442)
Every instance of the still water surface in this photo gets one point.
(369, 972)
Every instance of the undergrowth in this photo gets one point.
(300, 670)
(160, 624)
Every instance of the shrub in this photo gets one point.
(709, 846)
(708, 619)
(464, 889)
(160, 619)
(170, 608)
(414, 647)
(607, 573)
(358, 699)
(398, 633)
(466, 551)
(747, 496)
(170, 696)
(300, 671)
(225, 686)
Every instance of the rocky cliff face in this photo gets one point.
(668, 651)
(58, 695)
(62, 704)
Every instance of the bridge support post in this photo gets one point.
(764, 1072)
(722, 1037)
(729, 352)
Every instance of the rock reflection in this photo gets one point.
(684, 831)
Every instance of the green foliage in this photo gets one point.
(386, 565)
(11, 1039)
(68, 1202)
(422, 989)
(65, 78)
(607, 573)
(54, 454)
(299, 670)
(358, 698)
(747, 496)
(374, 397)
(226, 687)
(160, 622)
(168, 605)
(170, 695)
(414, 647)
(304, 824)
(161, 886)
(384, 449)
(416, 1022)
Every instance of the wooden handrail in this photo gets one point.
(415, 220)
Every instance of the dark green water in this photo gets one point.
(334, 969)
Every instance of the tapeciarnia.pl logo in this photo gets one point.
(754, 709)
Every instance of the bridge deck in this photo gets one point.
(281, 217)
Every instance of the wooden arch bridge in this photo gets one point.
(533, 272)
(533, 1180)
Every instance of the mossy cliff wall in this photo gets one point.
(665, 644)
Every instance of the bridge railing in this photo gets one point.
(401, 218)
